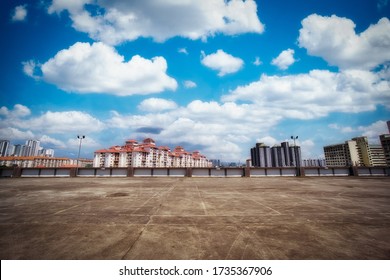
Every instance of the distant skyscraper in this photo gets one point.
(278, 159)
(4, 146)
(277, 156)
(295, 156)
(17, 151)
(32, 148)
(388, 126)
(286, 151)
(261, 155)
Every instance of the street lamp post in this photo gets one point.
(80, 137)
(297, 163)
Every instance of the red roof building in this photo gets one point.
(148, 154)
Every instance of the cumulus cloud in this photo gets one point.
(189, 84)
(343, 129)
(222, 62)
(45, 139)
(315, 94)
(88, 142)
(232, 126)
(156, 105)
(19, 13)
(98, 68)
(268, 140)
(117, 21)
(373, 130)
(284, 60)
(15, 134)
(64, 122)
(335, 40)
(18, 111)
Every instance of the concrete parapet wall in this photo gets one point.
(193, 172)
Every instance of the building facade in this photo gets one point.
(148, 154)
(345, 154)
(34, 161)
(355, 152)
(385, 143)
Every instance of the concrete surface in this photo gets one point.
(195, 218)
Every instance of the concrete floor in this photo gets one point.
(195, 218)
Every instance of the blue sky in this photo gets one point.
(215, 76)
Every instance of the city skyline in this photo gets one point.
(214, 77)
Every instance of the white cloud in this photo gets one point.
(20, 13)
(98, 68)
(30, 67)
(268, 140)
(232, 126)
(257, 61)
(45, 139)
(15, 134)
(315, 94)
(189, 84)
(87, 142)
(335, 40)
(343, 129)
(373, 130)
(306, 147)
(182, 50)
(121, 20)
(284, 60)
(156, 105)
(63, 122)
(18, 111)
(222, 62)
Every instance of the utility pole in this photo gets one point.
(80, 137)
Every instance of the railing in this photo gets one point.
(17, 172)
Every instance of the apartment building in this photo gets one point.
(34, 161)
(355, 152)
(148, 154)
(385, 143)
(345, 154)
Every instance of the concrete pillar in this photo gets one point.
(302, 172)
(353, 170)
(73, 172)
(247, 171)
(17, 172)
(130, 171)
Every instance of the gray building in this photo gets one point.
(277, 156)
(261, 155)
(4, 146)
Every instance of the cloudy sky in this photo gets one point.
(213, 75)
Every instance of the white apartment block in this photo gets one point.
(147, 154)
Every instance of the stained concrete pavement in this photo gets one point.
(195, 218)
